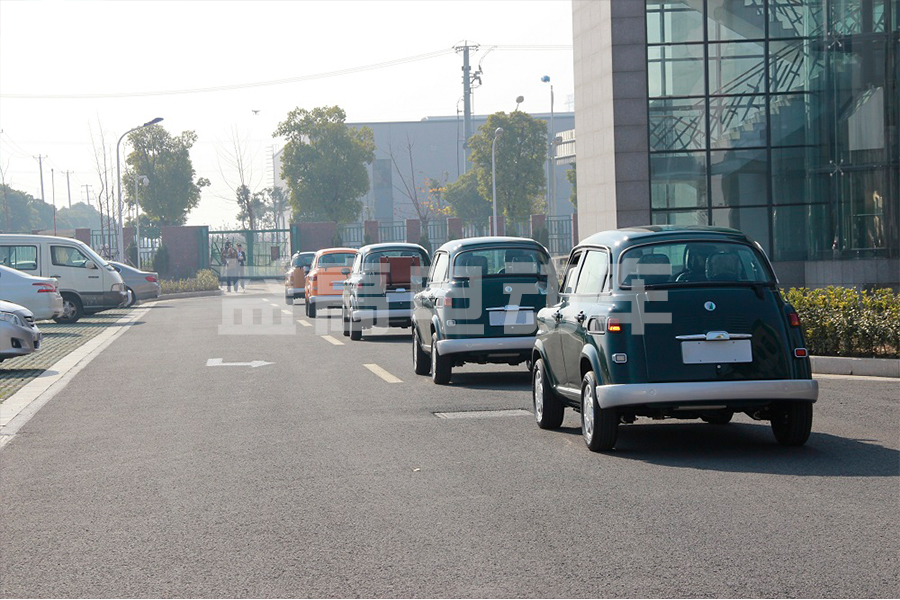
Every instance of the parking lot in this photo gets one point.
(171, 465)
(59, 340)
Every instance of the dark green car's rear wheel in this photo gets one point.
(421, 364)
(719, 419)
(440, 365)
(548, 407)
(599, 426)
(792, 422)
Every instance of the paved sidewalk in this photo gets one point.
(59, 340)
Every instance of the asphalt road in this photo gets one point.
(154, 475)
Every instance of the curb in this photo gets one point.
(180, 295)
(872, 367)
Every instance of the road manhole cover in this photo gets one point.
(483, 414)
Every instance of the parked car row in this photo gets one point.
(658, 321)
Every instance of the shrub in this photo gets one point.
(841, 321)
(425, 242)
(205, 280)
(161, 261)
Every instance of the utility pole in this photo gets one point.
(53, 193)
(69, 188)
(5, 197)
(41, 168)
(467, 98)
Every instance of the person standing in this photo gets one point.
(241, 263)
(230, 257)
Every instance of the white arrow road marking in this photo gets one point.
(383, 374)
(332, 340)
(217, 362)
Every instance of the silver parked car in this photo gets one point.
(18, 333)
(40, 295)
(140, 285)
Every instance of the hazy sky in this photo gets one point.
(68, 69)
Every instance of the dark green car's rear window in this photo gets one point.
(487, 262)
(696, 262)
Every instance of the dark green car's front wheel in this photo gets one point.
(441, 368)
(421, 364)
(599, 426)
(548, 407)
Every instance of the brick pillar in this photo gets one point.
(315, 236)
(538, 222)
(413, 230)
(454, 228)
(83, 235)
(501, 225)
(186, 249)
(371, 231)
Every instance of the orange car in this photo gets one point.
(295, 278)
(325, 281)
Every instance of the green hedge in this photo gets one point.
(205, 280)
(841, 321)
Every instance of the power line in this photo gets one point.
(288, 80)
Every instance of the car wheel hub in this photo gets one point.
(587, 412)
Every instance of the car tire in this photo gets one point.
(306, 308)
(345, 322)
(441, 369)
(421, 361)
(311, 310)
(720, 419)
(355, 330)
(289, 300)
(599, 426)
(792, 422)
(548, 407)
(132, 297)
(72, 309)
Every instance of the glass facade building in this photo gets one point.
(779, 118)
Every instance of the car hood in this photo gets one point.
(15, 308)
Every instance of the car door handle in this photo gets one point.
(580, 317)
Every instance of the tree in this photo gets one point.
(572, 177)
(80, 215)
(166, 162)
(324, 163)
(270, 205)
(239, 158)
(26, 213)
(427, 199)
(521, 154)
(464, 198)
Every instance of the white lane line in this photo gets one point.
(304, 323)
(332, 340)
(383, 374)
(287, 312)
(16, 410)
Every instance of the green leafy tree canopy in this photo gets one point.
(521, 153)
(172, 191)
(324, 163)
(465, 199)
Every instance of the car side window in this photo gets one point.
(439, 270)
(571, 275)
(594, 271)
(22, 258)
(66, 256)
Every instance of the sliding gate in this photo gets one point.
(268, 251)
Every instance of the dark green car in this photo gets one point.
(379, 289)
(669, 322)
(480, 304)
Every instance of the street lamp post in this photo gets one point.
(120, 239)
(497, 133)
(137, 216)
(551, 191)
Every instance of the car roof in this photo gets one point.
(391, 246)
(336, 250)
(630, 236)
(459, 245)
(39, 238)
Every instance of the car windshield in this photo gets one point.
(692, 263)
(302, 261)
(337, 259)
(490, 262)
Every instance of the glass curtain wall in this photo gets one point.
(779, 118)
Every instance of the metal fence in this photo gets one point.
(475, 228)
(392, 231)
(560, 234)
(352, 234)
(267, 250)
(518, 227)
(437, 232)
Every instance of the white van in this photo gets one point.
(87, 283)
